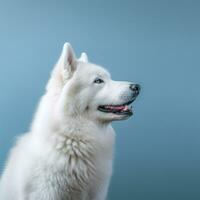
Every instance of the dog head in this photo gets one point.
(86, 89)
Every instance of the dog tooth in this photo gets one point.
(125, 108)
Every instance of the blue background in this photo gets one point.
(155, 43)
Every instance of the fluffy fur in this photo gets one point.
(67, 155)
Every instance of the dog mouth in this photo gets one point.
(122, 109)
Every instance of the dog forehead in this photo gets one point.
(93, 69)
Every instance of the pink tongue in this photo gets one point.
(118, 108)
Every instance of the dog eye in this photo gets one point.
(98, 81)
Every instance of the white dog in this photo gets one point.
(67, 155)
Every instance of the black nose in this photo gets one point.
(135, 88)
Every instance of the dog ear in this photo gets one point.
(67, 61)
(64, 68)
(84, 57)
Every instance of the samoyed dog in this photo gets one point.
(68, 153)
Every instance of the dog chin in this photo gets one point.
(116, 117)
(109, 117)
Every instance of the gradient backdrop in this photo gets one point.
(155, 43)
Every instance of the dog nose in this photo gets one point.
(135, 88)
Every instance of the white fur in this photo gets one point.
(67, 155)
